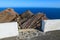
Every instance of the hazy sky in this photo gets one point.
(30, 3)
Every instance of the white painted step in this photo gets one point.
(8, 30)
(50, 25)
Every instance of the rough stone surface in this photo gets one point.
(28, 33)
(7, 15)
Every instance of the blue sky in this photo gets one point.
(30, 3)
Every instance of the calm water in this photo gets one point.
(51, 13)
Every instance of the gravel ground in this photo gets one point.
(53, 35)
(10, 38)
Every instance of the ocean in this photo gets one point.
(51, 13)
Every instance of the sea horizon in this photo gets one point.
(51, 13)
